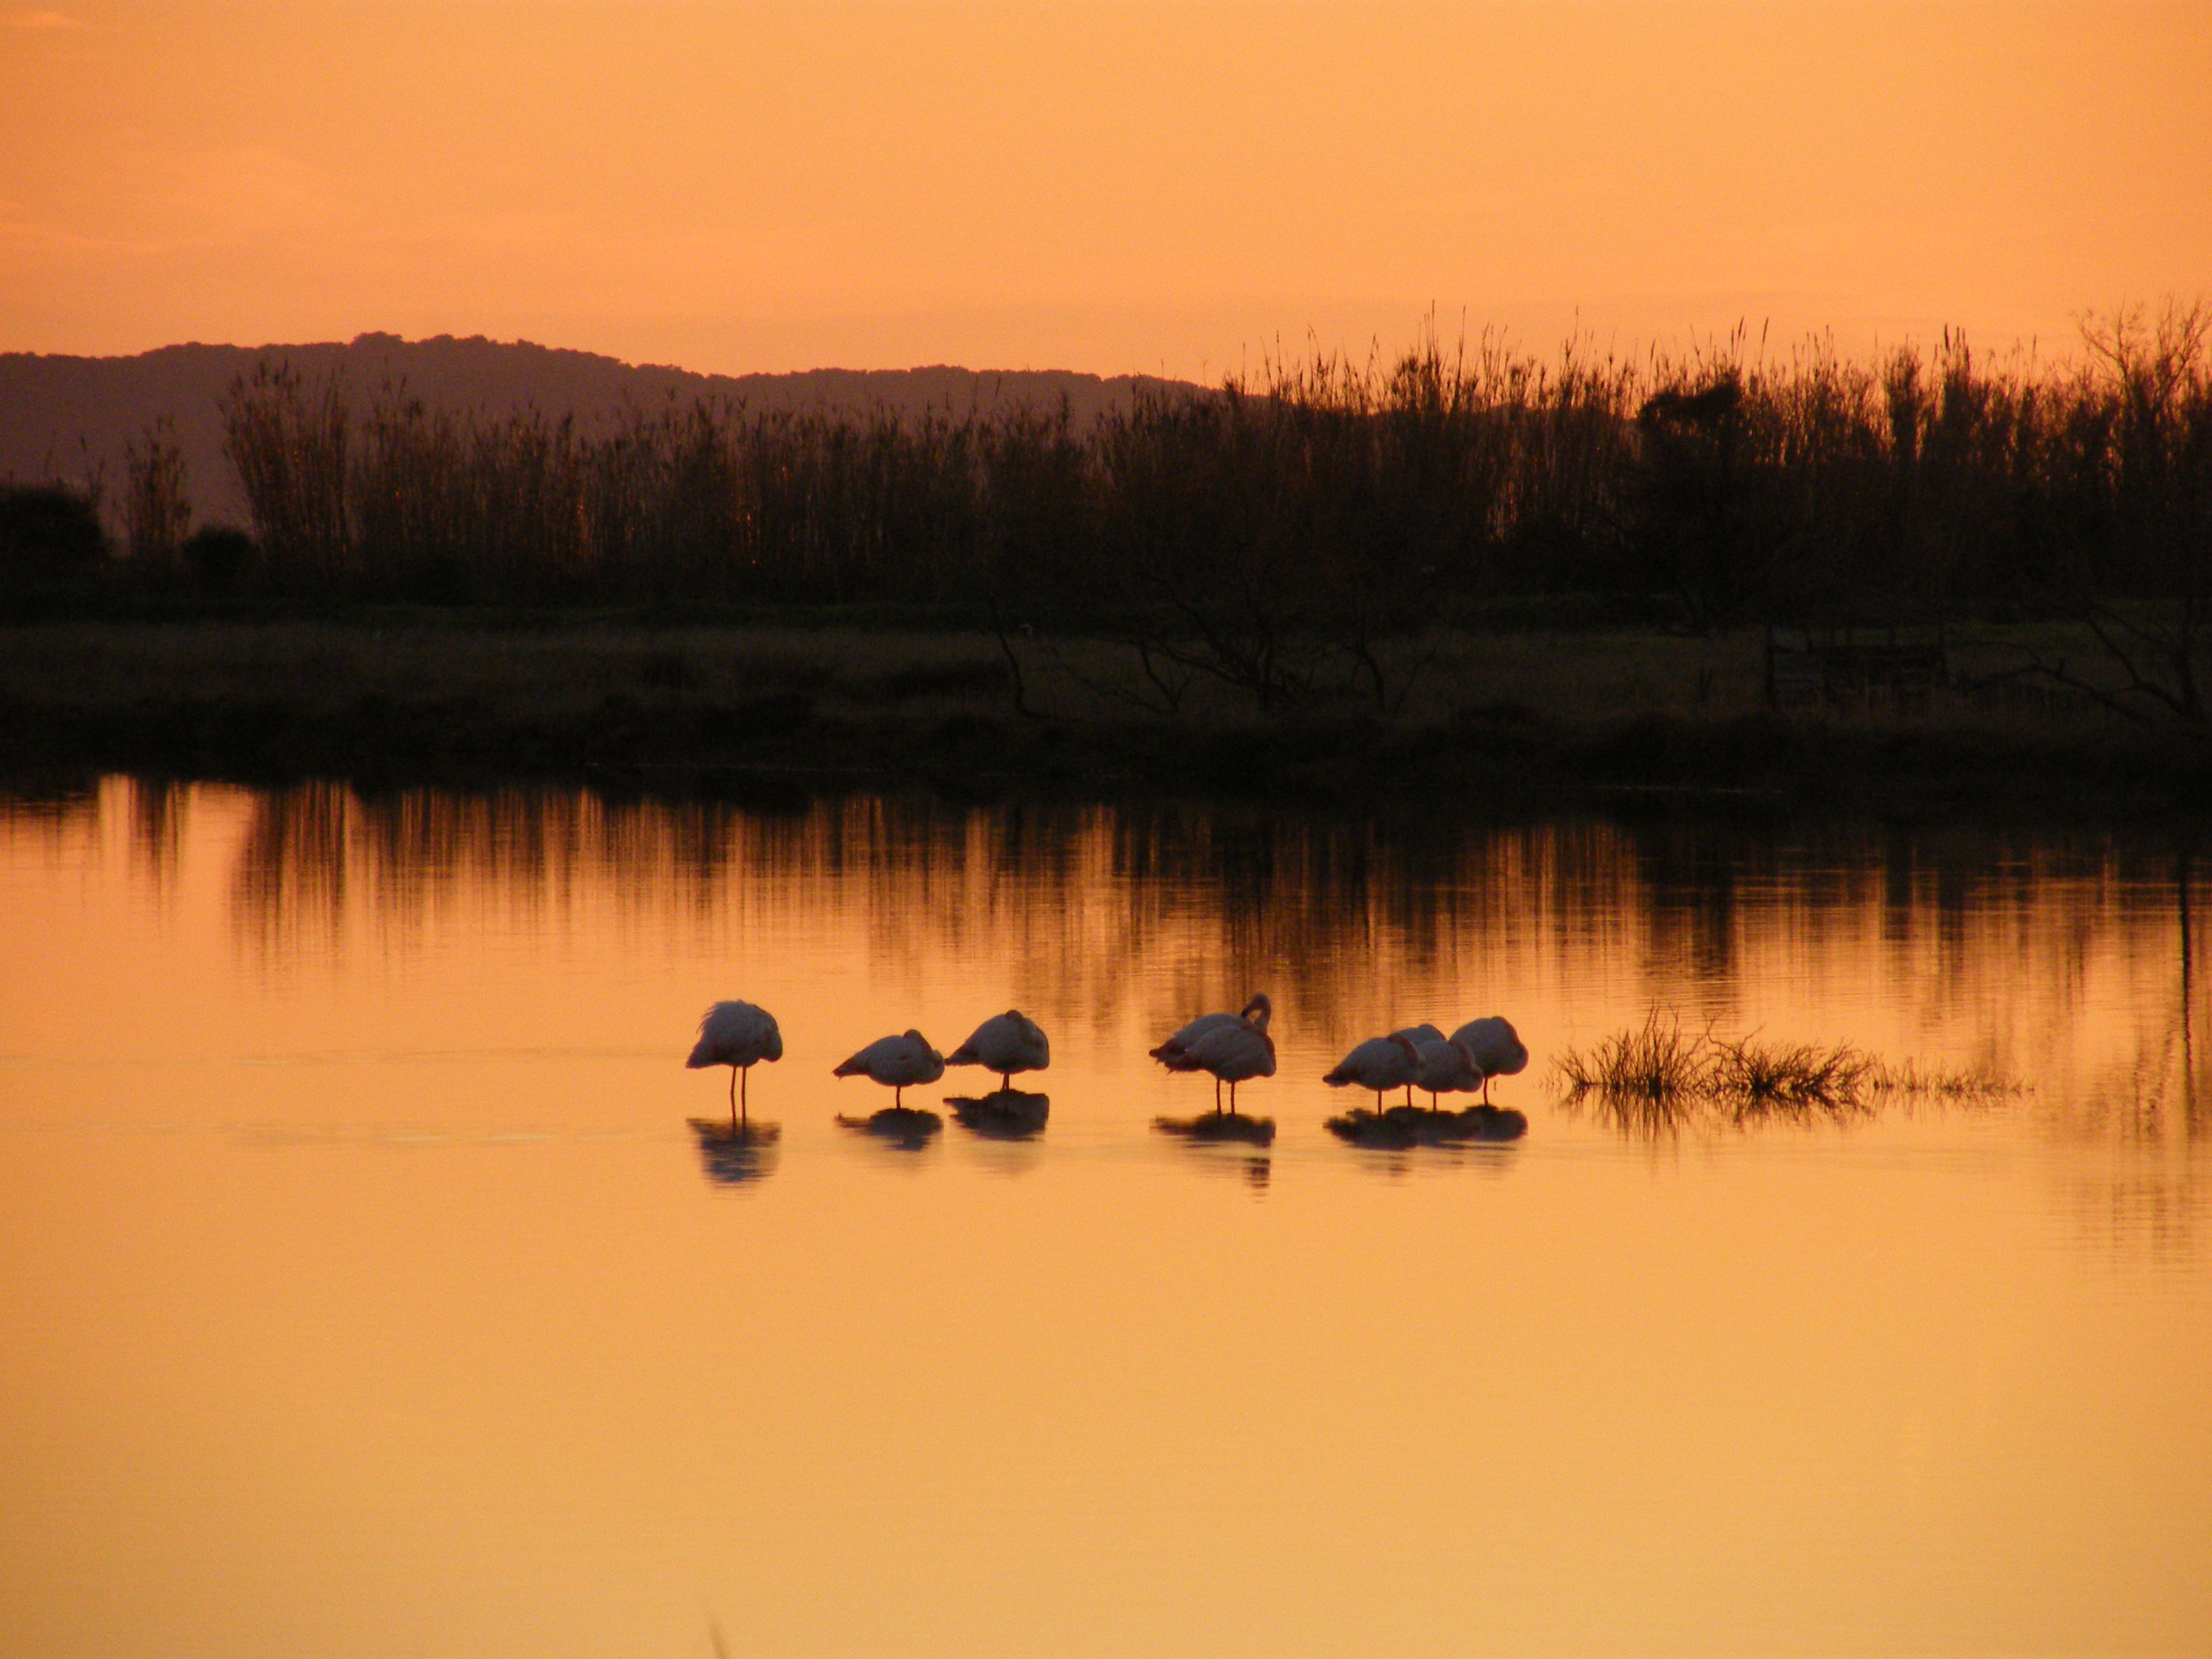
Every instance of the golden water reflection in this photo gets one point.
(2069, 955)
(378, 1279)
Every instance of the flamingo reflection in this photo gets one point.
(734, 1154)
(1002, 1115)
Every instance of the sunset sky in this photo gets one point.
(1074, 184)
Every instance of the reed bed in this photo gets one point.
(1724, 481)
(1656, 1076)
(1273, 533)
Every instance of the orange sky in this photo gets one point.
(1073, 184)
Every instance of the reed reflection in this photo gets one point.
(2067, 958)
(735, 1154)
(53, 808)
(1998, 942)
(1182, 906)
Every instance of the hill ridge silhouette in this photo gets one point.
(70, 417)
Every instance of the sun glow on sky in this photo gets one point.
(1075, 184)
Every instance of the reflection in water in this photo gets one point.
(735, 1154)
(1256, 1171)
(1825, 1362)
(1454, 1160)
(2065, 957)
(1395, 1128)
(1002, 1115)
(1091, 900)
(909, 1128)
(1216, 1127)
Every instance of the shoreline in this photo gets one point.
(751, 714)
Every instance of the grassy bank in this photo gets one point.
(1493, 722)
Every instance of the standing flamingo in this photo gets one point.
(894, 1062)
(1005, 1044)
(1420, 1036)
(1446, 1067)
(1234, 1054)
(1381, 1064)
(1497, 1048)
(1175, 1053)
(739, 1036)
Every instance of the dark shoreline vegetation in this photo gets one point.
(1472, 579)
(1617, 721)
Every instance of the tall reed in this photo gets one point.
(1273, 529)
(156, 506)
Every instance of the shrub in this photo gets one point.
(51, 542)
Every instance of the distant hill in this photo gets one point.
(69, 417)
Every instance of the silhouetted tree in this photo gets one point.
(52, 546)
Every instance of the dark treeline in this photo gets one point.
(1307, 512)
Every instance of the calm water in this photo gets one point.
(364, 1292)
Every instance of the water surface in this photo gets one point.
(365, 1291)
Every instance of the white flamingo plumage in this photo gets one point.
(1175, 1053)
(896, 1062)
(1006, 1043)
(1233, 1054)
(1381, 1063)
(739, 1036)
(1447, 1067)
(1497, 1048)
(1420, 1036)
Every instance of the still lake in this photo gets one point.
(364, 1290)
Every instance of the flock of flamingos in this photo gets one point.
(1232, 1048)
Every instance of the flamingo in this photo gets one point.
(1497, 1048)
(1005, 1044)
(894, 1062)
(1446, 1067)
(1234, 1054)
(1381, 1064)
(736, 1035)
(1175, 1053)
(1420, 1036)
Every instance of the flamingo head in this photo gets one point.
(1257, 1011)
(1474, 1073)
